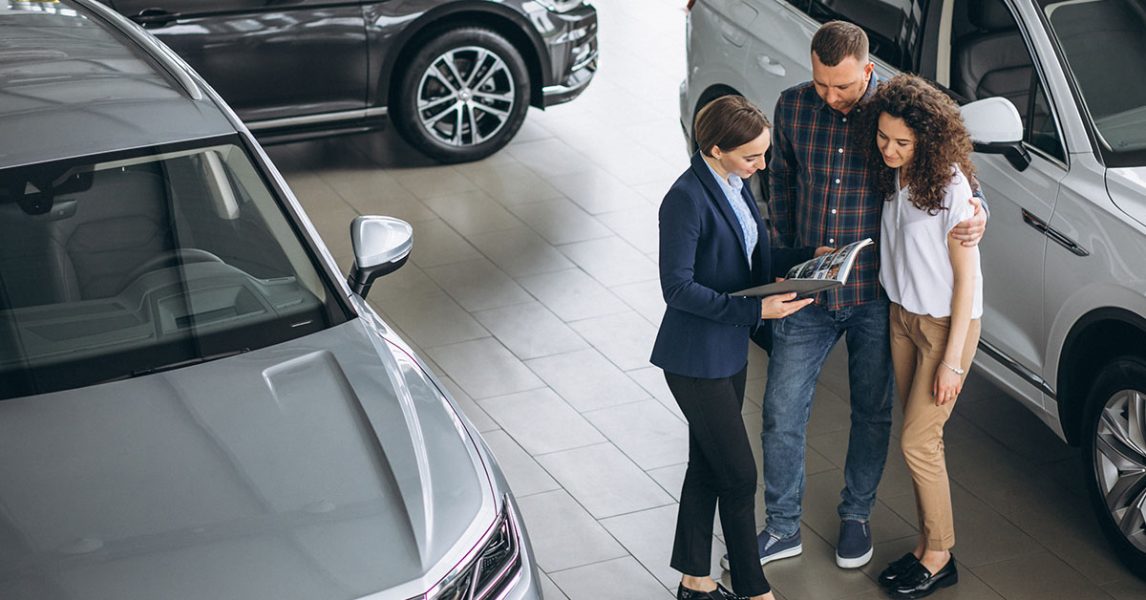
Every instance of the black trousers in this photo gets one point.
(721, 471)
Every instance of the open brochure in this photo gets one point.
(816, 275)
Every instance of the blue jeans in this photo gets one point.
(801, 344)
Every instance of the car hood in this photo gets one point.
(1127, 188)
(326, 467)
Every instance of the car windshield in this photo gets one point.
(123, 265)
(1104, 42)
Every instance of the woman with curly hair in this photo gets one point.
(919, 152)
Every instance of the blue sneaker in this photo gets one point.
(854, 548)
(773, 548)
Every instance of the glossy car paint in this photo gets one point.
(323, 467)
(117, 101)
(291, 74)
(333, 465)
(315, 66)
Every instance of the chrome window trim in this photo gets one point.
(1054, 160)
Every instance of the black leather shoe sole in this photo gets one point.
(923, 592)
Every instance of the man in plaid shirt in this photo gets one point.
(820, 196)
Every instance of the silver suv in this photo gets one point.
(1064, 327)
(194, 402)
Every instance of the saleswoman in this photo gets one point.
(713, 242)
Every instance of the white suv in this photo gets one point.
(1064, 326)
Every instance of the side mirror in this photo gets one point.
(381, 246)
(996, 128)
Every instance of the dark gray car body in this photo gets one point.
(332, 465)
(301, 68)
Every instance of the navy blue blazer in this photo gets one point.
(705, 331)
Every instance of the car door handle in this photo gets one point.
(1055, 235)
(771, 66)
(153, 18)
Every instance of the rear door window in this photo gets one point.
(990, 58)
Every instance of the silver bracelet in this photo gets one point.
(955, 370)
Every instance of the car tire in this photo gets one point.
(463, 96)
(1114, 452)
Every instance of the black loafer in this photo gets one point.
(726, 594)
(897, 569)
(720, 593)
(920, 583)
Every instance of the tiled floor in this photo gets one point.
(532, 289)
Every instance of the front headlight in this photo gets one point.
(491, 569)
(560, 6)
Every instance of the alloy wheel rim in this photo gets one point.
(466, 96)
(1120, 463)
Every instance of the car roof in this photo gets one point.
(77, 79)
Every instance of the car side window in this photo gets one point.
(893, 27)
(990, 57)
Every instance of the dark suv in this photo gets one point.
(455, 76)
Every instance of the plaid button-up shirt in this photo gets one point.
(821, 194)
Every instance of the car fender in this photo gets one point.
(1107, 276)
(1100, 318)
(1129, 297)
(435, 13)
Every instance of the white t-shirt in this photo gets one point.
(915, 267)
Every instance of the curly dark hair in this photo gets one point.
(941, 140)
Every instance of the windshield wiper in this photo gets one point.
(185, 363)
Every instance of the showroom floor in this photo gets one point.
(533, 290)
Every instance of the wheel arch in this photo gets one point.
(1098, 337)
(504, 21)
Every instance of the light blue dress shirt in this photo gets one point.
(731, 188)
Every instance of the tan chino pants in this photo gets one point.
(918, 343)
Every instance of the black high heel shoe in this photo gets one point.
(897, 569)
(920, 583)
